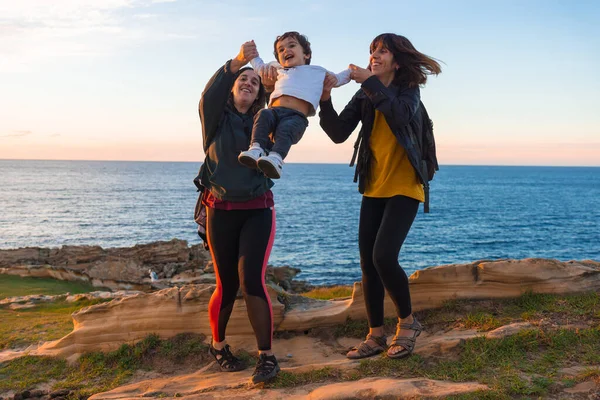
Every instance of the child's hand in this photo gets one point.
(247, 52)
(268, 75)
(358, 74)
(328, 83)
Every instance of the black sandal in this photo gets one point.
(266, 369)
(406, 342)
(226, 360)
(364, 349)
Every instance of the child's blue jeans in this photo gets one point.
(287, 125)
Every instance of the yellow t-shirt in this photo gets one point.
(392, 174)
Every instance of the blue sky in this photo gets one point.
(121, 79)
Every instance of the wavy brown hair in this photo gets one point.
(414, 66)
(261, 98)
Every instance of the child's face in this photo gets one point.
(382, 62)
(290, 53)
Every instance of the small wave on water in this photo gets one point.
(477, 212)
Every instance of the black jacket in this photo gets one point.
(226, 133)
(401, 107)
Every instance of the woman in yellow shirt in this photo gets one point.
(389, 175)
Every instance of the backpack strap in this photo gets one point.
(425, 187)
(355, 154)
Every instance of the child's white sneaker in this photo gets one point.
(271, 165)
(250, 157)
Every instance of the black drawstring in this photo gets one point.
(355, 154)
(356, 146)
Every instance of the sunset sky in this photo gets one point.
(121, 79)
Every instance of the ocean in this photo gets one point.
(477, 212)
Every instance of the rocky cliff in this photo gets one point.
(114, 268)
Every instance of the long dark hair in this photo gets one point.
(259, 102)
(414, 66)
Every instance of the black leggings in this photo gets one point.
(240, 242)
(384, 224)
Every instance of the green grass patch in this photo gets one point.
(352, 328)
(539, 305)
(482, 321)
(582, 304)
(47, 321)
(490, 314)
(530, 301)
(26, 372)
(328, 293)
(590, 373)
(98, 372)
(11, 286)
(568, 382)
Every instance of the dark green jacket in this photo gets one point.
(226, 133)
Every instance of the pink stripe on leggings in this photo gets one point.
(264, 268)
(214, 306)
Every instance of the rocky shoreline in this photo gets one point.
(174, 263)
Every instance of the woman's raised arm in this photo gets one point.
(217, 90)
(213, 101)
(338, 127)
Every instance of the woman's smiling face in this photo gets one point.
(382, 62)
(245, 89)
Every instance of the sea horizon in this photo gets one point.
(304, 162)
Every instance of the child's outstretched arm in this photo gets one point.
(342, 78)
(258, 64)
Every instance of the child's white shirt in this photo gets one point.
(304, 82)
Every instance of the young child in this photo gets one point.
(296, 96)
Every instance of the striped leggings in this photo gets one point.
(240, 242)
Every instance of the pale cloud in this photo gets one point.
(144, 16)
(62, 16)
(17, 134)
(36, 31)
